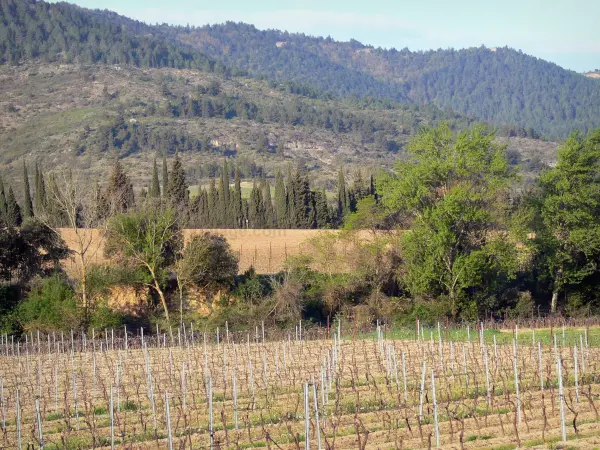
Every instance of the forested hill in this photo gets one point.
(67, 33)
(498, 85)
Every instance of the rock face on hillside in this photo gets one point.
(128, 300)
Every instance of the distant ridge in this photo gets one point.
(501, 86)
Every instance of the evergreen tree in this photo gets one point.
(372, 190)
(268, 202)
(203, 209)
(13, 210)
(301, 200)
(54, 212)
(342, 196)
(281, 205)
(40, 190)
(256, 208)
(118, 197)
(224, 206)
(3, 204)
(238, 207)
(155, 186)
(213, 200)
(165, 175)
(321, 209)
(290, 198)
(27, 203)
(177, 188)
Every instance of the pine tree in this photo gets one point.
(13, 210)
(342, 196)
(281, 206)
(238, 207)
(27, 203)
(165, 176)
(177, 188)
(40, 190)
(155, 186)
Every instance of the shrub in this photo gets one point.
(51, 305)
(9, 299)
(101, 317)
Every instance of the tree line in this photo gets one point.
(291, 203)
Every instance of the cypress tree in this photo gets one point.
(177, 188)
(268, 202)
(27, 203)
(13, 210)
(321, 209)
(301, 200)
(290, 194)
(3, 204)
(55, 213)
(342, 195)
(280, 202)
(155, 186)
(119, 195)
(203, 209)
(238, 207)
(256, 208)
(372, 192)
(224, 205)
(40, 190)
(213, 199)
(165, 175)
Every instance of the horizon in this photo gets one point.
(537, 30)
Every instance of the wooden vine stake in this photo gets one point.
(306, 419)
(516, 371)
(314, 386)
(435, 411)
(211, 428)
(18, 419)
(168, 418)
(111, 412)
(561, 399)
(38, 417)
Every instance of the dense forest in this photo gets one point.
(501, 86)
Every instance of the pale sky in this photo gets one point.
(564, 32)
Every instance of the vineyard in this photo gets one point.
(318, 388)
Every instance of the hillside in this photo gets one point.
(78, 116)
(80, 88)
(500, 85)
